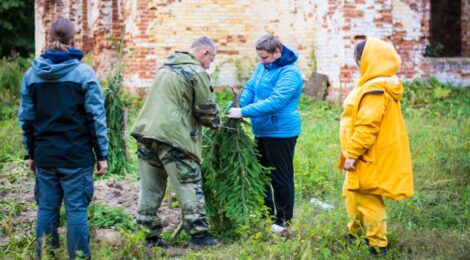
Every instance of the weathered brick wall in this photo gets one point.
(341, 25)
(95, 22)
(156, 29)
(456, 70)
(324, 33)
(401, 21)
(410, 34)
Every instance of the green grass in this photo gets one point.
(434, 223)
(10, 142)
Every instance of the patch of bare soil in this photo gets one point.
(125, 194)
(19, 209)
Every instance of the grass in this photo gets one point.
(434, 223)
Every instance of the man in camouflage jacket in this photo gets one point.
(169, 134)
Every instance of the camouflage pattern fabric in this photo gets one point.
(178, 105)
(157, 162)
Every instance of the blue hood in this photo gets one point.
(288, 57)
(61, 56)
(53, 65)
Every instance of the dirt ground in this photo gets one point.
(125, 194)
(17, 194)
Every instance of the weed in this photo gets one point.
(102, 216)
(11, 74)
(116, 115)
(10, 142)
(434, 223)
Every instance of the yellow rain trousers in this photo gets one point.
(372, 131)
(367, 211)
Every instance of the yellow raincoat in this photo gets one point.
(372, 129)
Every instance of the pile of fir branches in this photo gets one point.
(234, 181)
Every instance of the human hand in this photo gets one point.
(101, 167)
(349, 164)
(32, 166)
(234, 112)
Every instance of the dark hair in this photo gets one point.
(268, 43)
(61, 34)
(358, 51)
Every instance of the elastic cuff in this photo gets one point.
(102, 157)
(243, 114)
(352, 156)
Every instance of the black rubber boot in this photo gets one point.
(155, 241)
(378, 251)
(351, 239)
(204, 240)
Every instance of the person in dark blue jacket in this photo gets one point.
(270, 99)
(63, 120)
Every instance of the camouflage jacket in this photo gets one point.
(180, 102)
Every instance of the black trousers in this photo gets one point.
(279, 154)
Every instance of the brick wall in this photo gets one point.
(95, 21)
(323, 32)
(156, 29)
(346, 23)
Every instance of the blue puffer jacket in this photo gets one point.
(270, 98)
(62, 112)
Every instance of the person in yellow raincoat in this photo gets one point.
(374, 143)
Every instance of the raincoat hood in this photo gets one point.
(53, 65)
(288, 57)
(181, 58)
(379, 59)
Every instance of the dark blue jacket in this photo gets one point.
(270, 98)
(62, 112)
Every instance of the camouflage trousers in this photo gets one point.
(157, 163)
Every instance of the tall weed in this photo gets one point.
(11, 74)
(10, 142)
(116, 115)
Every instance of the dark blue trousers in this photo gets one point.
(73, 186)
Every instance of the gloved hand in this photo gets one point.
(234, 112)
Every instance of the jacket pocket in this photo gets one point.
(367, 175)
(36, 191)
(87, 188)
(265, 123)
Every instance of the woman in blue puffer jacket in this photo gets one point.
(270, 99)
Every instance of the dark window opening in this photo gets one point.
(445, 29)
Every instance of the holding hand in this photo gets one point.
(235, 112)
(349, 164)
(32, 166)
(101, 166)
